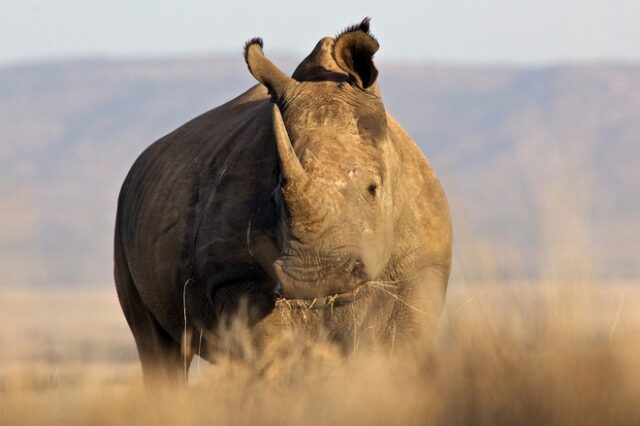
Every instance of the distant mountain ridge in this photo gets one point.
(540, 165)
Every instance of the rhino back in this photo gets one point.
(185, 205)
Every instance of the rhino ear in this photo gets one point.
(353, 52)
(264, 71)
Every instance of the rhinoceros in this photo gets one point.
(302, 200)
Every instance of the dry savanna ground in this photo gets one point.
(519, 353)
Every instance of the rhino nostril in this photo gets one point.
(357, 270)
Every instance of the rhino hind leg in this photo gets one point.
(160, 355)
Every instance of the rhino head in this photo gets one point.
(337, 166)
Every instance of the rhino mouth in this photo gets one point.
(295, 282)
(324, 302)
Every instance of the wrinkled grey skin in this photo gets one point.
(309, 203)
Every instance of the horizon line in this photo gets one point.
(224, 55)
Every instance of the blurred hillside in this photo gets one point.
(539, 164)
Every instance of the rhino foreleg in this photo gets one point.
(249, 302)
(417, 306)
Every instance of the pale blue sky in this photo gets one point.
(490, 31)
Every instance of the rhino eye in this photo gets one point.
(373, 188)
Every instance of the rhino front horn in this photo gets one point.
(265, 71)
(302, 196)
(291, 168)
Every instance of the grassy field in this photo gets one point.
(523, 353)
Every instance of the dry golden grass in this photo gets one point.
(525, 353)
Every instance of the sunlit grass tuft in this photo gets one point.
(525, 353)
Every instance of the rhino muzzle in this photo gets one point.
(301, 283)
(308, 283)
